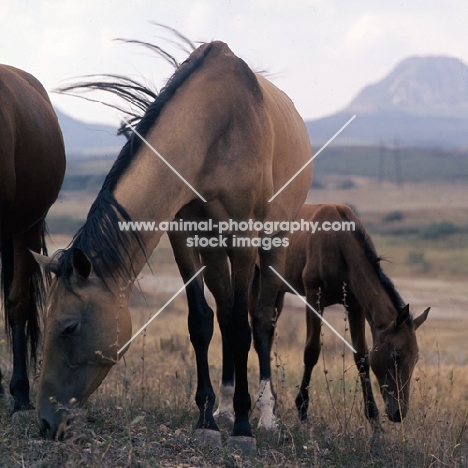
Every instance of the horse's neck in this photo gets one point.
(150, 192)
(368, 289)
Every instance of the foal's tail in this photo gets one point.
(38, 285)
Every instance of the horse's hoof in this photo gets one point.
(268, 424)
(208, 437)
(18, 408)
(6, 399)
(377, 427)
(24, 422)
(224, 418)
(246, 445)
(372, 413)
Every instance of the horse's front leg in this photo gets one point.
(361, 358)
(200, 324)
(23, 297)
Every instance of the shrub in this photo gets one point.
(438, 230)
(393, 216)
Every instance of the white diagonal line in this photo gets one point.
(311, 159)
(161, 309)
(314, 311)
(168, 164)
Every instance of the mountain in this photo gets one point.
(87, 140)
(423, 101)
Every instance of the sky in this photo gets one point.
(320, 52)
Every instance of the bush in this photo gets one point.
(437, 230)
(393, 216)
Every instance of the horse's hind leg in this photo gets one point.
(21, 313)
(361, 358)
(311, 355)
(239, 336)
(217, 278)
(263, 324)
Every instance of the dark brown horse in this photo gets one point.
(32, 166)
(237, 139)
(340, 252)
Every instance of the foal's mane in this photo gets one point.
(371, 255)
(100, 238)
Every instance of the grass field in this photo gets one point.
(142, 415)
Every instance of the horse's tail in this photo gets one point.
(38, 285)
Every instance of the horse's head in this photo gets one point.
(392, 359)
(87, 321)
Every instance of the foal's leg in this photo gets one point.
(21, 310)
(200, 324)
(361, 358)
(311, 354)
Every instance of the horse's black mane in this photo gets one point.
(375, 260)
(100, 238)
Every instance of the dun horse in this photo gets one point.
(317, 267)
(32, 166)
(234, 137)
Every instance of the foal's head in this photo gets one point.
(393, 357)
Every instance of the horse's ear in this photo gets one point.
(403, 316)
(82, 265)
(47, 263)
(418, 321)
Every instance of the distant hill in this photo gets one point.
(88, 140)
(423, 101)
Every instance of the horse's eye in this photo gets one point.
(70, 329)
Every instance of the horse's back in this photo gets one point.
(291, 151)
(268, 130)
(11, 74)
(239, 119)
(32, 153)
(315, 256)
(325, 212)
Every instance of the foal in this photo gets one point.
(317, 266)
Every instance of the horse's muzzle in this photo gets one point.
(54, 426)
(396, 411)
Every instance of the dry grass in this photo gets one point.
(142, 415)
(369, 197)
